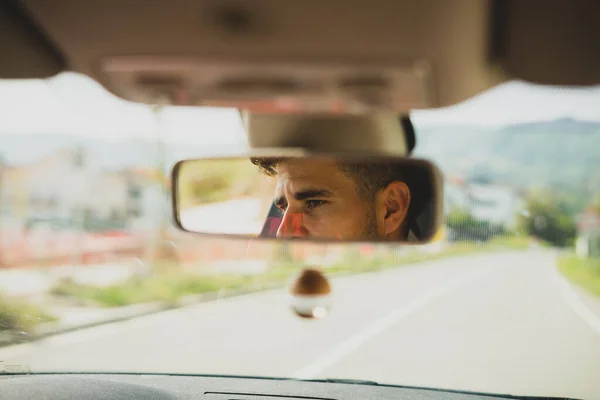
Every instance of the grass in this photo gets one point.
(171, 285)
(585, 273)
(18, 315)
(354, 263)
(167, 288)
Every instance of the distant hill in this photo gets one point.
(562, 154)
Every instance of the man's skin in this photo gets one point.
(319, 200)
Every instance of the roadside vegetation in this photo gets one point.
(166, 287)
(550, 218)
(20, 316)
(213, 181)
(171, 286)
(583, 272)
(354, 263)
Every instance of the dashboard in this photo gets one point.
(184, 387)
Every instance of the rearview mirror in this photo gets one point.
(314, 197)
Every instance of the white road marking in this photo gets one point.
(573, 301)
(358, 339)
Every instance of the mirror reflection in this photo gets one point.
(320, 198)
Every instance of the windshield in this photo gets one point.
(94, 277)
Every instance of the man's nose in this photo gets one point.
(292, 225)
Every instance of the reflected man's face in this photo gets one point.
(319, 200)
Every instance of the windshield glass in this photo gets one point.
(94, 277)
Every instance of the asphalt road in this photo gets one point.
(498, 323)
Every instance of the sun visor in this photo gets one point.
(372, 133)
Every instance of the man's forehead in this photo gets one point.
(311, 172)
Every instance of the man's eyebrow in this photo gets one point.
(309, 193)
(281, 201)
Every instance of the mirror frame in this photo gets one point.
(303, 153)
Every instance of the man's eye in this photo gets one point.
(310, 204)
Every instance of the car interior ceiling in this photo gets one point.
(470, 44)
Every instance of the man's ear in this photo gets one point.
(395, 200)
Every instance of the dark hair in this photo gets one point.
(369, 177)
(267, 166)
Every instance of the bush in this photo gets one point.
(464, 226)
(170, 287)
(18, 315)
(548, 220)
(166, 288)
(213, 181)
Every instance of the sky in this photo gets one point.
(74, 104)
(517, 102)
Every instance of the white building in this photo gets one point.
(60, 186)
(496, 203)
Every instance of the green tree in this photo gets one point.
(466, 227)
(596, 203)
(548, 219)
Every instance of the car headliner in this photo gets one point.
(470, 45)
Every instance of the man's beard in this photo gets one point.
(370, 230)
